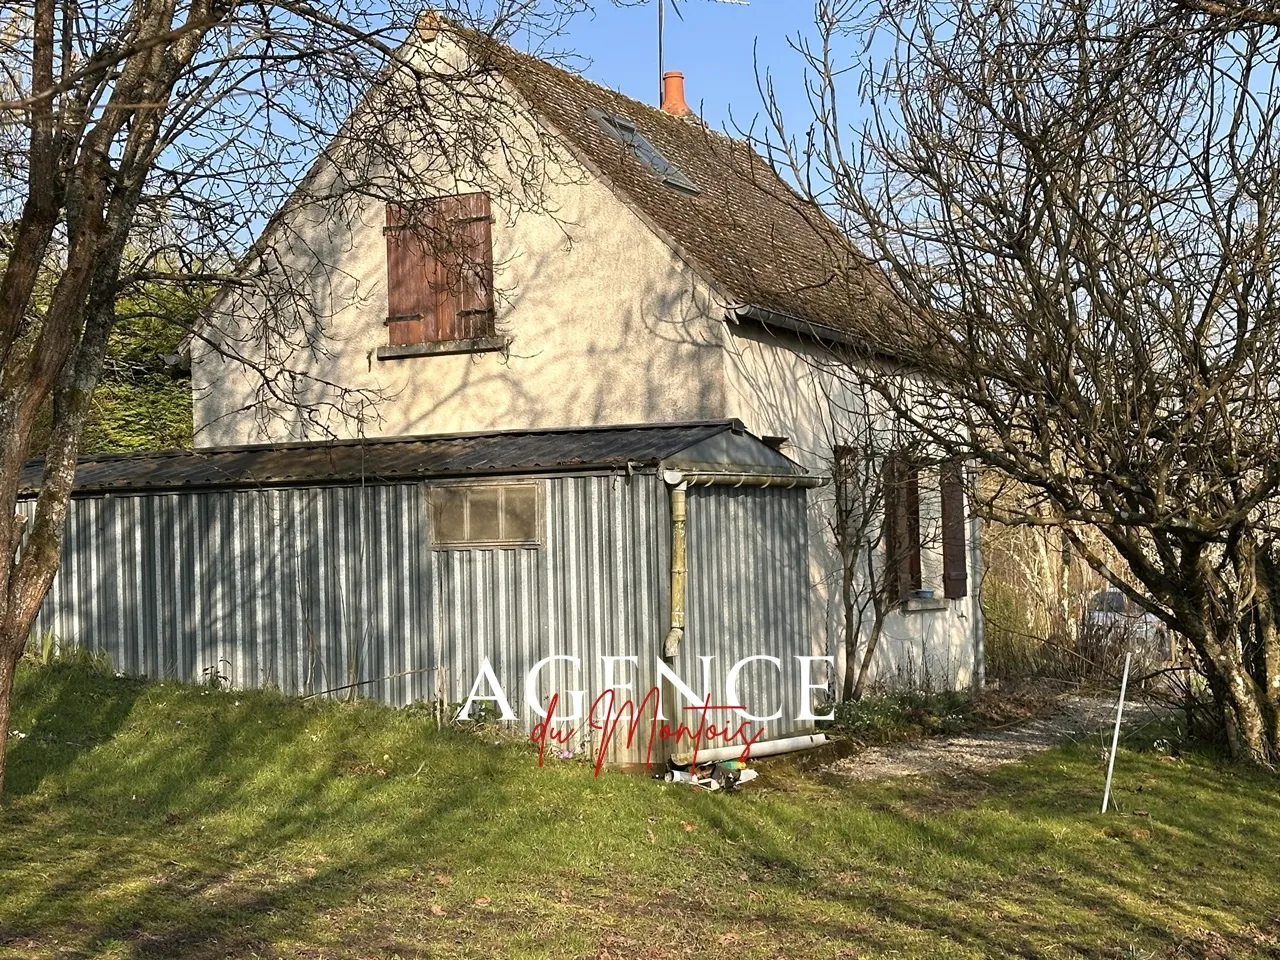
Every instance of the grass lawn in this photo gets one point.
(149, 820)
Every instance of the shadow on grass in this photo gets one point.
(64, 720)
(205, 825)
(214, 841)
(1024, 865)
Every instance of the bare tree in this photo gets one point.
(856, 476)
(1077, 207)
(877, 530)
(147, 142)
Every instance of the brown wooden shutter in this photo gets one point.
(440, 270)
(896, 534)
(843, 479)
(462, 286)
(410, 265)
(902, 527)
(912, 498)
(955, 572)
(891, 532)
(475, 301)
(443, 279)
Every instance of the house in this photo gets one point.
(664, 273)
(653, 275)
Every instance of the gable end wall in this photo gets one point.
(607, 325)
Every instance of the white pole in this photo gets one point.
(1115, 737)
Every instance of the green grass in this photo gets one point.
(149, 820)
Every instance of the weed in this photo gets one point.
(48, 650)
(892, 715)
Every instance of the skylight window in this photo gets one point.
(624, 131)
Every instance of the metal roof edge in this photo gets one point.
(530, 452)
(820, 332)
(530, 473)
(728, 423)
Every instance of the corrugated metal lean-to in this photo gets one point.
(334, 583)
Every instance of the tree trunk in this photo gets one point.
(864, 669)
(10, 653)
(1237, 697)
(852, 626)
(878, 603)
(1245, 719)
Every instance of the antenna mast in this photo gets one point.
(662, 20)
(662, 27)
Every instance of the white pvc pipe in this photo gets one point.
(767, 748)
(1115, 737)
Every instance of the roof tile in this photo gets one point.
(748, 231)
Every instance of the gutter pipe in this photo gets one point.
(679, 561)
(790, 482)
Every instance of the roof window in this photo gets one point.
(624, 131)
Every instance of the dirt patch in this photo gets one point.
(1077, 716)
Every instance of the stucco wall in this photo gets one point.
(779, 385)
(607, 325)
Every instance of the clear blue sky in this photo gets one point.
(713, 46)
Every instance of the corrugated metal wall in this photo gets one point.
(300, 589)
(312, 589)
(749, 596)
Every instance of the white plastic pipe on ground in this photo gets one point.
(767, 748)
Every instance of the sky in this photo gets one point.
(714, 45)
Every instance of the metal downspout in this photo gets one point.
(679, 561)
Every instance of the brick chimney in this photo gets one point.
(673, 94)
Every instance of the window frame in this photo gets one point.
(468, 486)
(625, 131)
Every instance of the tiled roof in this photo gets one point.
(408, 458)
(747, 231)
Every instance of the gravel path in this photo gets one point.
(1080, 716)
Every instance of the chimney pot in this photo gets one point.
(673, 101)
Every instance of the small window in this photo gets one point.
(907, 533)
(624, 131)
(485, 514)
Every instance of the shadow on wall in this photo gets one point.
(778, 388)
(783, 386)
(631, 340)
(660, 363)
(258, 588)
